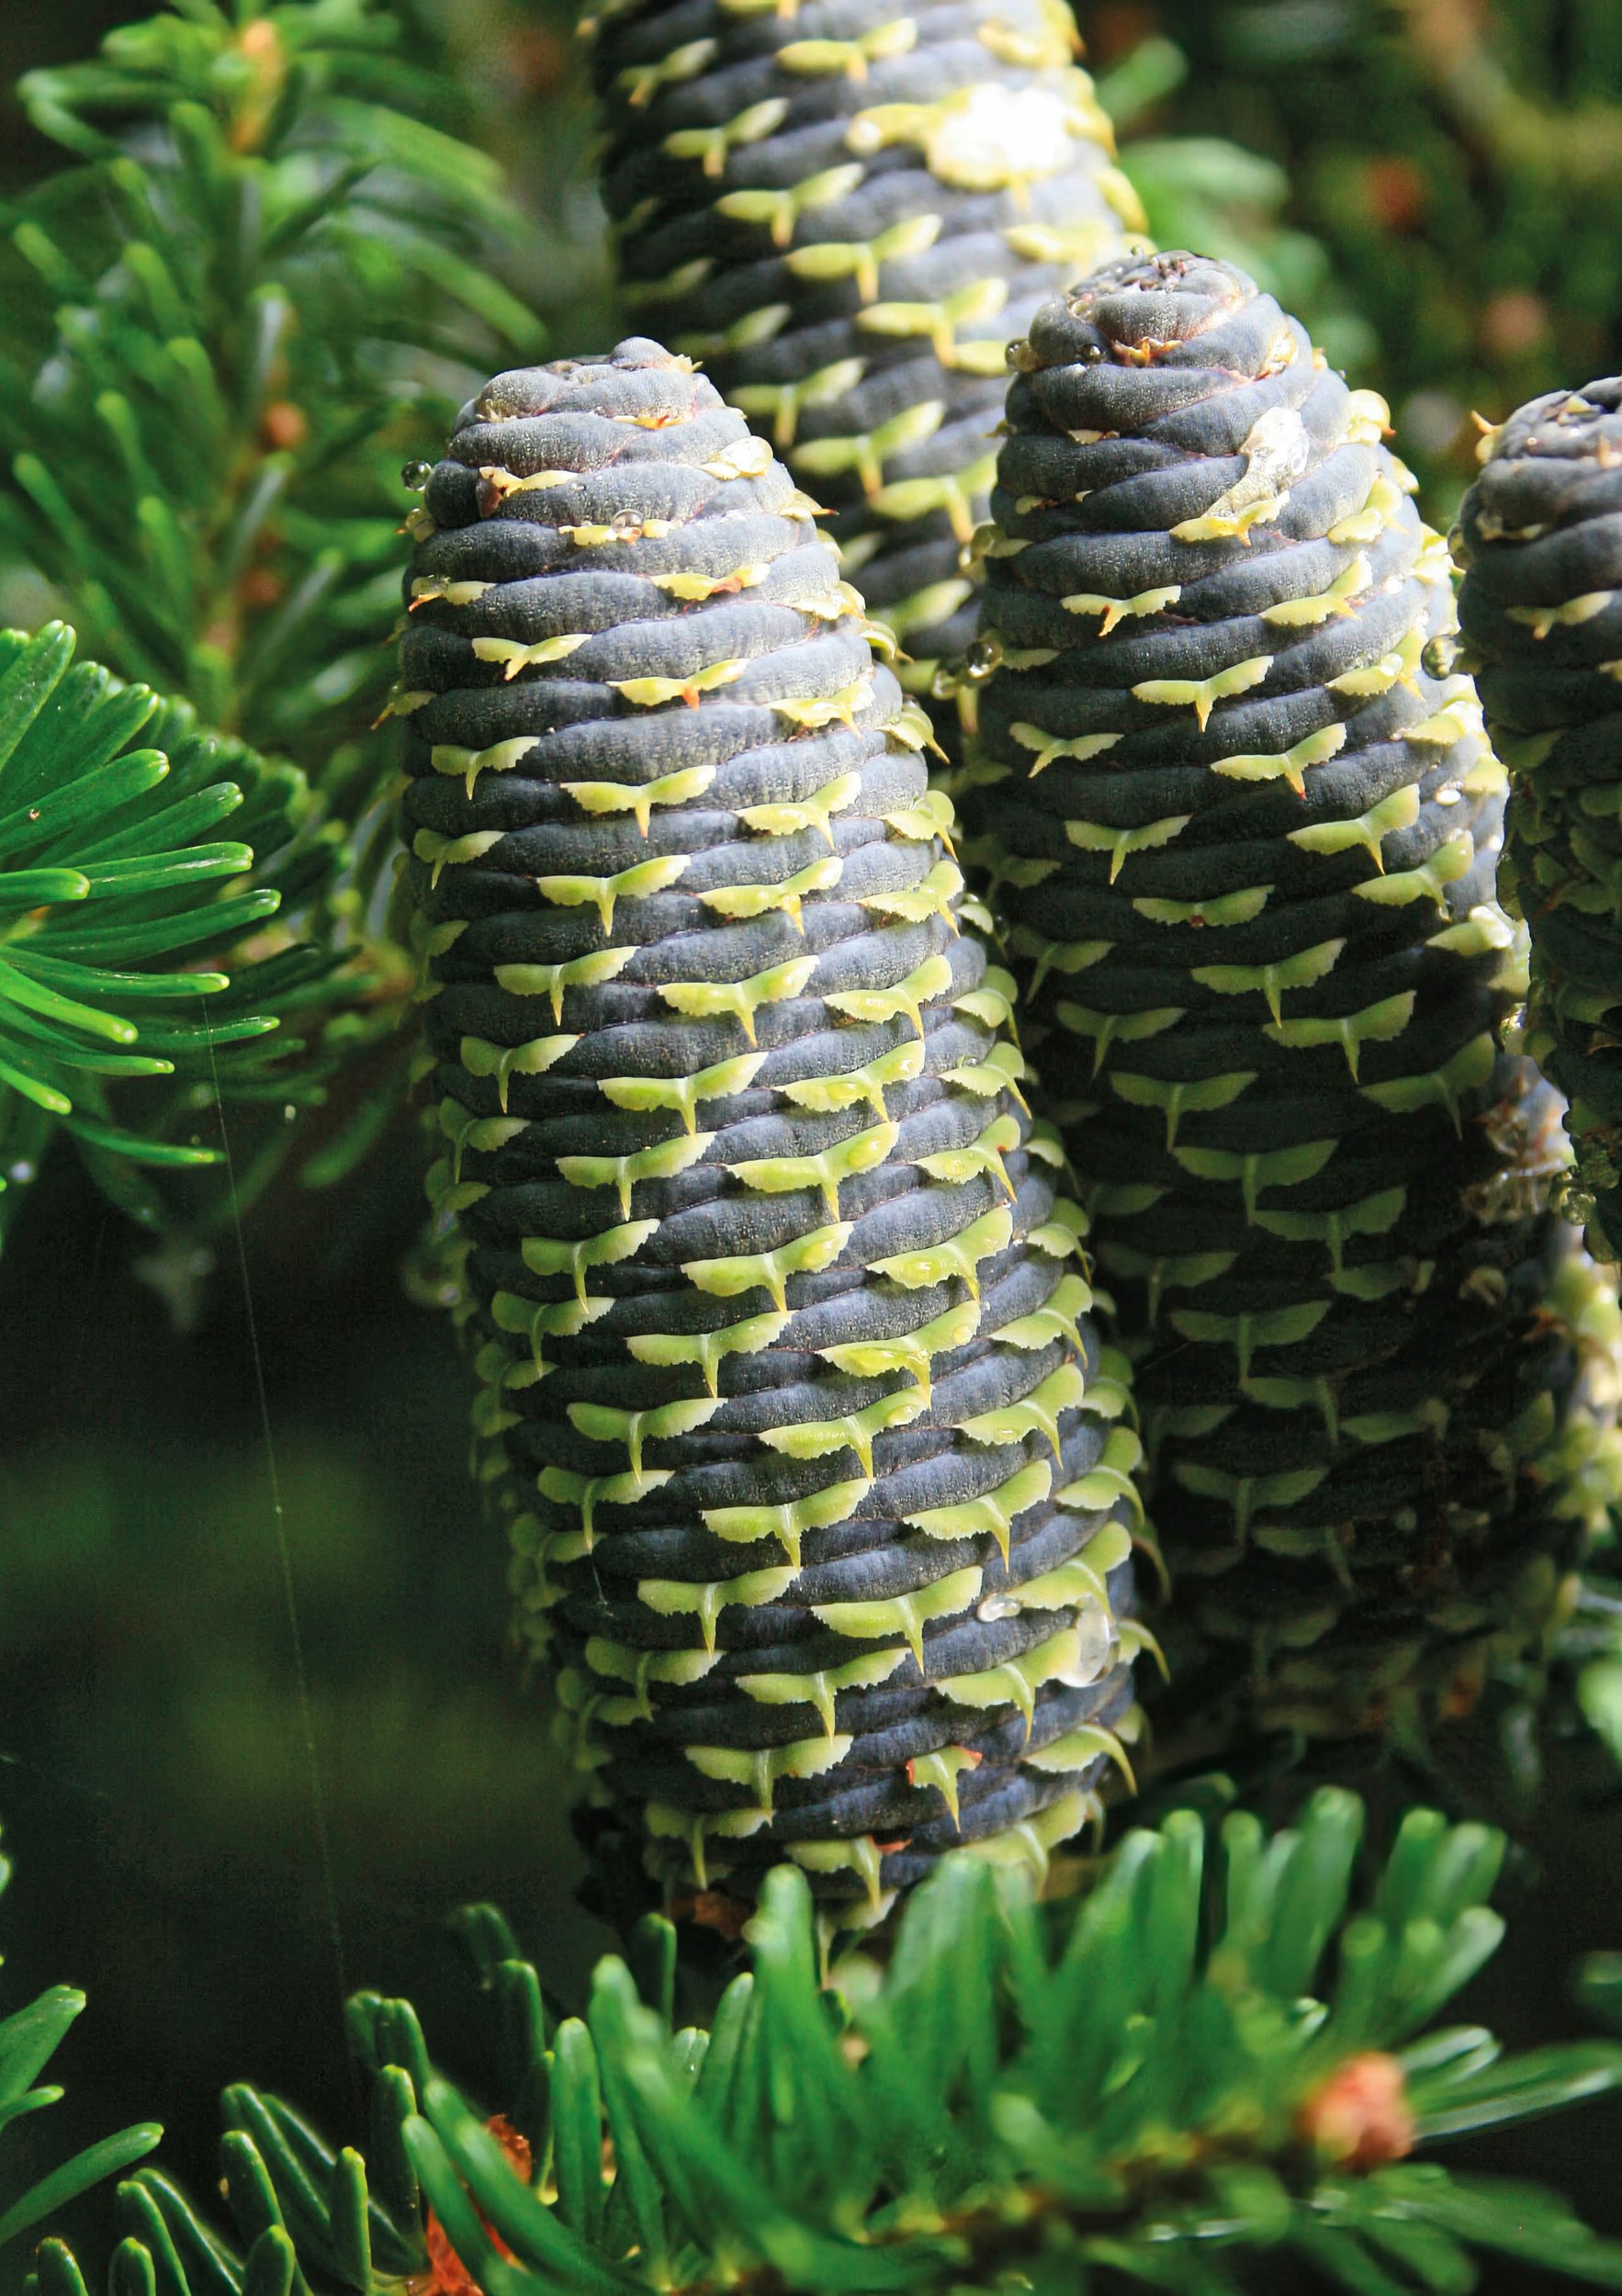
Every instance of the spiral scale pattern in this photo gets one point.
(844, 209)
(1541, 539)
(815, 1476)
(1242, 834)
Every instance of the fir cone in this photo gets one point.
(789, 1394)
(1244, 833)
(845, 212)
(1540, 536)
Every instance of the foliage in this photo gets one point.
(29, 2039)
(118, 904)
(1217, 2057)
(225, 328)
(526, 64)
(261, 285)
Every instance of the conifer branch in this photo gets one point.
(1226, 2057)
(147, 975)
(227, 325)
(252, 295)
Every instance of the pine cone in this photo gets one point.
(1244, 833)
(1540, 535)
(845, 212)
(788, 1391)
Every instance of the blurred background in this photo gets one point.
(184, 1432)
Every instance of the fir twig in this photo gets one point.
(263, 283)
(226, 327)
(1226, 2053)
(121, 905)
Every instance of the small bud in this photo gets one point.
(283, 426)
(1360, 2116)
(261, 586)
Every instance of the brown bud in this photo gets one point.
(1360, 2116)
(260, 587)
(284, 426)
(1396, 191)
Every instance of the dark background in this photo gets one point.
(1437, 185)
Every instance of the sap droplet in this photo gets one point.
(1437, 659)
(416, 475)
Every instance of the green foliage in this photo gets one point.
(256, 292)
(118, 904)
(1218, 2056)
(262, 284)
(29, 2039)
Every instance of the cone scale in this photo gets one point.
(1241, 836)
(845, 211)
(1541, 538)
(810, 1459)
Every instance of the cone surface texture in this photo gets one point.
(846, 211)
(1540, 537)
(1244, 840)
(817, 1497)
